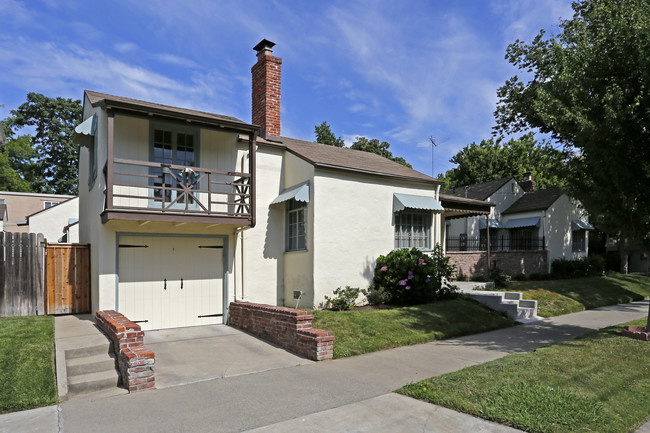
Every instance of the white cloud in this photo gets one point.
(125, 47)
(173, 59)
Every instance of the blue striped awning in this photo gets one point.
(581, 225)
(521, 222)
(425, 202)
(494, 224)
(298, 192)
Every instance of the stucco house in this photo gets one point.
(59, 223)
(186, 211)
(538, 226)
(20, 205)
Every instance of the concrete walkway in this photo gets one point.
(352, 394)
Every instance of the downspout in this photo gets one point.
(240, 231)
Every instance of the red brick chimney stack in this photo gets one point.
(266, 90)
(528, 184)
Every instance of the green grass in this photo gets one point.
(27, 363)
(600, 382)
(364, 331)
(556, 297)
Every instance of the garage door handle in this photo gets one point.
(181, 284)
(165, 284)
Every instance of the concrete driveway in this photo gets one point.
(189, 355)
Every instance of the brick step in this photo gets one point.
(91, 382)
(90, 364)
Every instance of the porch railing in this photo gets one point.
(175, 189)
(499, 243)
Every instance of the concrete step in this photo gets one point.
(92, 382)
(90, 364)
(99, 348)
(509, 302)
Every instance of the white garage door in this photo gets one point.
(170, 282)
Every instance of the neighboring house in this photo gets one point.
(22, 204)
(522, 222)
(186, 211)
(54, 222)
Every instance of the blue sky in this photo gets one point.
(400, 71)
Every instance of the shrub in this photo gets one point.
(500, 279)
(344, 299)
(409, 277)
(460, 276)
(478, 278)
(590, 266)
(519, 277)
(377, 296)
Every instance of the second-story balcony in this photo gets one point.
(153, 191)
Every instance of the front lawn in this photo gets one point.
(599, 382)
(364, 331)
(27, 363)
(556, 297)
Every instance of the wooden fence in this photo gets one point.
(38, 278)
(21, 274)
(67, 278)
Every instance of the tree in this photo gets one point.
(374, 146)
(325, 135)
(492, 160)
(53, 120)
(16, 164)
(589, 88)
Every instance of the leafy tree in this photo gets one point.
(16, 165)
(325, 135)
(380, 148)
(589, 88)
(492, 160)
(53, 120)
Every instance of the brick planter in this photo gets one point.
(135, 361)
(286, 327)
(636, 332)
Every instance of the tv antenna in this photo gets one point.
(433, 146)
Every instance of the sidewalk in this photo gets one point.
(351, 394)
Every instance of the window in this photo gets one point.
(92, 156)
(578, 243)
(521, 239)
(412, 229)
(2, 201)
(173, 145)
(49, 204)
(483, 238)
(296, 225)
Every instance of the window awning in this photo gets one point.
(298, 192)
(494, 224)
(426, 202)
(85, 130)
(581, 225)
(521, 222)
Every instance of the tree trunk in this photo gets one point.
(623, 254)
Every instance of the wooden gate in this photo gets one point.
(67, 279)
(21, 274)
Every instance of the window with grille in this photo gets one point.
(296, 225)
(49, 204)
(173, 146)
(578, 241)
(412, 229)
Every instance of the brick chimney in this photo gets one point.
(528, 184)
(266, 90)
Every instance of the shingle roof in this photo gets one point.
(536, 200)
(479, 191)
(97, 98)
(322, 155)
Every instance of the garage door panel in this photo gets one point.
(143, 294)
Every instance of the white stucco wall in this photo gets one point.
(353, 225)
(51, 221)
(558, 231)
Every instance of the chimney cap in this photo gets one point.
(265, 44)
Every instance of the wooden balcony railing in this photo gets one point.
(177, 191)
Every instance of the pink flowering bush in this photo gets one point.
(409, 277)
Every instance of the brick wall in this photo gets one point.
(286, 327)
(266, 93)
(135, 361)
(510, 262)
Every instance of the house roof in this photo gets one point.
(479, 191)
(97, 98)
(342, 158)
(48, 208)
(536, 200)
